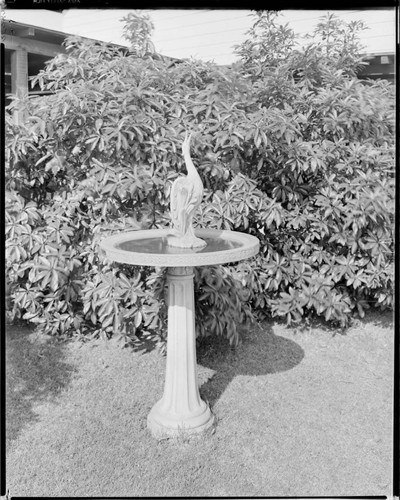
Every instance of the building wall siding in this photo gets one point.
(210, 34)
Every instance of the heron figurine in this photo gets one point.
(186, 196)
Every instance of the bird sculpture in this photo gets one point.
(186, 196)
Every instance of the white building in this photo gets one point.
(32, 36)
(204, 34)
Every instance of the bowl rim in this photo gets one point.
(249, 248)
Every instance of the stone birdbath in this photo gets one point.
(180, 249)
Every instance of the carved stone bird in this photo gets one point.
(186, 196)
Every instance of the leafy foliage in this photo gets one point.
(138, 28)
(291, 147)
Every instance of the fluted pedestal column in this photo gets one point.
(181, 409)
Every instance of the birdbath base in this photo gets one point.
(162, 426)
(180, 411)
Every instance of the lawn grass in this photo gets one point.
(300, 413)
(36, 371)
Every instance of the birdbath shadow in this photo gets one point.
(261, 352)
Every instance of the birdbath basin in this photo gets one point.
(180, 409)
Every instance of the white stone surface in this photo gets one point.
(248, 246)
(181, 410)
(186, 196)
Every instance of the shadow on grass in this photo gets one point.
(35, 371)
(384, 319)
(261, 352)
(144, 345)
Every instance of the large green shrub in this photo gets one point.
(327, 156)
(100, 155)
(291, 147)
